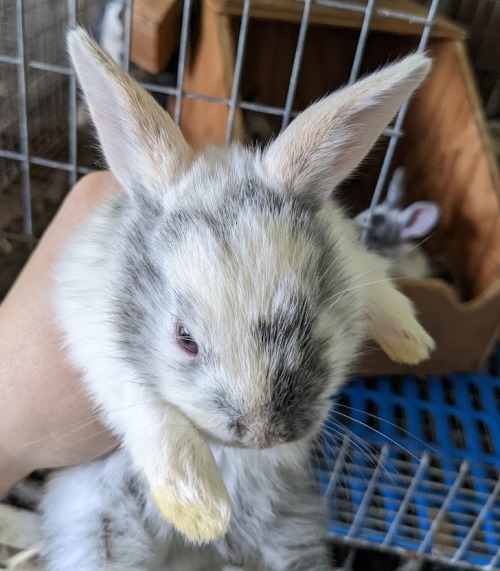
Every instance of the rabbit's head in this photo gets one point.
(391, 227)
(231, 290)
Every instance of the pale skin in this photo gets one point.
(46, 419)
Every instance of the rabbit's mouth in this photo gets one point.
(262, 443)
(266, 439)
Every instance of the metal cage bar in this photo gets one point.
(338, 466)
(450, 497)
(367, 496)
(363, 35)
(72, 112)
(23, 119)
(186, 15)
(297, 62)
(424, 463)
(238, 68)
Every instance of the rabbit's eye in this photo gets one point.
(184, 340)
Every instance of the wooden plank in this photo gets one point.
(291, 11)
(155, 33)
(449, 159)
(210, 72)
(464, 332)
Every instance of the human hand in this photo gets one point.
(46, 418)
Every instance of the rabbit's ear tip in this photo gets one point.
(83, 48)
(419, 61)
(76, 34)
(77, 38)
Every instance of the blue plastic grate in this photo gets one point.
(414, 464)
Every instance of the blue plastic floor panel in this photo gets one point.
(415, 464)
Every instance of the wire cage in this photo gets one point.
(405, 465)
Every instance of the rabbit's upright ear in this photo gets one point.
(329, 139)
(143, 146)
(419, 219)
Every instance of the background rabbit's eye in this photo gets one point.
(184, 340)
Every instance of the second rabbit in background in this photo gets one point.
(397, 233)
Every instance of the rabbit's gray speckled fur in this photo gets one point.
(247, 251)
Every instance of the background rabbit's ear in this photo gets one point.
(143, 146)
(329, 139)
(419, 219)
(395, 191)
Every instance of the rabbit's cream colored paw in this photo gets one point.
(200, 521)
(406, 343)
(393, 326)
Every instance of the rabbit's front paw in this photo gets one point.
(202, 518)
(408, 343)
(191, 494)
(394, 327)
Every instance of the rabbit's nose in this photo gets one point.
(260, 433)
(269, 440)
(266, 439)
(239, 428)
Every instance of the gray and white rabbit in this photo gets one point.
(394, 231)
(213, 308)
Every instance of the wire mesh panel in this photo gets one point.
(33, 99)
(36, 43)
(414, 465)
(35, 134)
(38, 101)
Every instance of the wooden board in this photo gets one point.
(291, 11)
(210, 72)
(449, 159)
(465, 333)
(155, 33)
